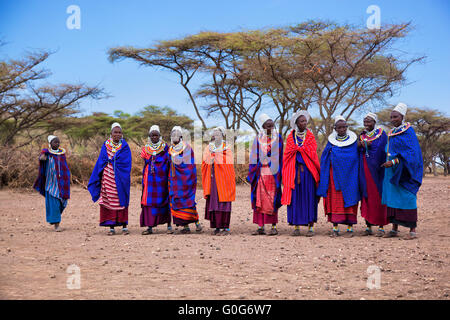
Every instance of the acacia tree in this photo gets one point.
(324, 67)
(228, 93)
(443, 155)
(28, 110)
(166, 55)
(329, 68)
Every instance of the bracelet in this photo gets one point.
(395, 161)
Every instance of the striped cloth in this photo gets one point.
(272, 155)
(60, 179)
(183, 180)
(155, 189)
(184, 216)
(51, 183)
(109, 197)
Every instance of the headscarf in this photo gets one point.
(177, 128)
(263, 118)
(401, 108)
(154, 128)
(221, 129)
(372, 115)
(296, 116)
(115, 124)
(179, 145)
(50, 139)
(339, 118)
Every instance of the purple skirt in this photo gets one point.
(151, 217)
(404, 217)
(303, 208)
(218, 213)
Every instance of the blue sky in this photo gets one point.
(81, 54)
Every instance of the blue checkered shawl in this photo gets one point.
(183, 180)
(156, 184)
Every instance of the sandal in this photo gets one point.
(310, 234)
(410, 236)
(348, 234)
(170, 231)
(198, 228)
(334, 234)
(295, 233)
(380, 234)
(258, 232)
(111, 233)
(146, 232)
(215, 232)
(125, 232)
(273, 232)
(225, 233)
(367, 232)
(185, 231)
(391, 234)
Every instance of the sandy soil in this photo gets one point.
(34, 259)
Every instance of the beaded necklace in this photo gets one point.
(300, 136)
(342, 139)
(373, 135)
(394, 132)
(112, 146)
(175, 150)
(57, 152)
(264, 140)
(400, 129)
(213, 148)
(155, 148)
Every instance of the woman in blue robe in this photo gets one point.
(403, 174)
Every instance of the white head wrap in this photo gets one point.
(221, 129)
(401, 108)
(339, 118)
(115, 124)
(296, 115)
(177, 128)
(50, 138)
(371, 115)
(263, 118)
(154, 128)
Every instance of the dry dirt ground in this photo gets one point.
(34, 259)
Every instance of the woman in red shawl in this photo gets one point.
(219, 184)
(301, 172)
